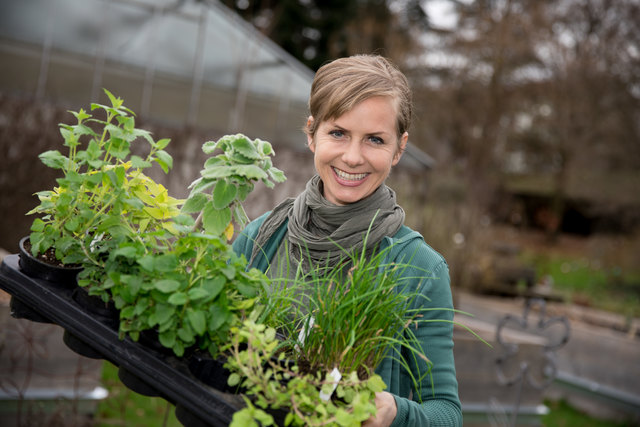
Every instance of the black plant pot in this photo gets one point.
(149, 339)
(188, 419)
(20, 310)
(278, 415)
(136, 384)
(33, 267)
(211, 371)
(105, 312)
(79, 346)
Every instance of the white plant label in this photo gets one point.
(335, 376)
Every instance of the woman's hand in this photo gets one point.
(387, 410)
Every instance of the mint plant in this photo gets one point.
(191, 292)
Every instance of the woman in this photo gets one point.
(360, 112)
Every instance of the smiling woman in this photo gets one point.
(360, 112)
(354, 153)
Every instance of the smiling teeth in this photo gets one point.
(350, 176)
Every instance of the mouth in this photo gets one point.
(349, 176)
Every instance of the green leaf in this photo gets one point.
(243, 146)
(277, 175)
(37, 225)
(215, 221)
(147, 262)
(93, 150)
(179, 298)
(54, 159)
(233, 380)
(162, 143)
(119, 147)
(167, 338)
(72, 224)
(141, 306)
(223, 194)
(222, 171)
(194, 203)
(197, 293)
(167, 285)
(166, 263)
(186, 334)
(213, 286)
(164, 312)
(127, 312)
(198, 320)
(375, 383)
(178, 349)
(247, 290)
(165, 160)
(229, 271)
(250, 171)
(218, 316)
(209, 147)
(264, 147)
(139, 163)
(127, 252)
(244, 190)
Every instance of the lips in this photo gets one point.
(349, 176)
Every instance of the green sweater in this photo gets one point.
(440, 406)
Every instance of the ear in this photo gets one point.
(310, 142)
(401, 147)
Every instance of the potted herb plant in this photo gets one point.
(90, 197)
(340, 323)
(184, 282)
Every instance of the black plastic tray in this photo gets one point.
(196, 403)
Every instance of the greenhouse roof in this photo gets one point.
(194, 40)
(191, 62)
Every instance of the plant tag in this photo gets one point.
(335, 376)
(302, 336)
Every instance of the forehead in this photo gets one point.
(379, 111)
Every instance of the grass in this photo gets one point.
(124, 407)
(564, 415)
(585, 281)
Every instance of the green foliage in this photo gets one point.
(342, 319)
(562, 414)
(351, 316)
(588, 281)
(226, 180)
(271, 384)
(103, 193)
(190, 292)
(163, 272)
(359, 310)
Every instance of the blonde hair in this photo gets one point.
(340, 85)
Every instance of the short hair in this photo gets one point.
(340, 85)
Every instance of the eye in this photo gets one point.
(336, 133)
(376, 140)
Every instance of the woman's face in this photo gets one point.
(354, 153)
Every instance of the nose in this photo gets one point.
(352, 155)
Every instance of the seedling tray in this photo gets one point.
(196, 403)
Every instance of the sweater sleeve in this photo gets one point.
(243, 244)
(436, 405)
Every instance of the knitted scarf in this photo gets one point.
(318, 231)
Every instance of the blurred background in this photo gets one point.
(523, 168)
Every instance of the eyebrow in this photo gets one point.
(335, 125)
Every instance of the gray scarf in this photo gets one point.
(319, 231)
